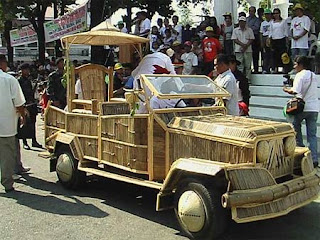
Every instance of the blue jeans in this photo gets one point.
(298, 52)
(311, 124)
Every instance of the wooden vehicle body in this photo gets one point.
(202, 161)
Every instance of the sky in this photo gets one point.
(117, 15)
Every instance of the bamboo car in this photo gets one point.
(204, 163)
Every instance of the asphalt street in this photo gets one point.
(103, 209)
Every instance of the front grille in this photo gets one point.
(278, 164)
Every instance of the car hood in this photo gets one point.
(230, 127)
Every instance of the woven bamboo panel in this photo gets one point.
(251, 178)
(273, 208)
(184, 146)
(89, 146)
(114, 108)
(82, 124)
(55, 118)
(126, 129)
(92, 79)
(124, 155)
(159, 152)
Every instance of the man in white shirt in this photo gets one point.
(145, 24)
(190, 60)
(243, 37)
(11, 103)
(177, 28)
(227, 81)
(300, 27)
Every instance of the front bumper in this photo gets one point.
(256, 195)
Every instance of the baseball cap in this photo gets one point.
(188, 43)
(267, 11)
(117, 66)
(227, 14)
(242, 18)
(209, 29)
(176, 43)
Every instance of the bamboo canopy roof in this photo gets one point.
(103, 34)
(232, 127)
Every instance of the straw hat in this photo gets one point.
(298, 6)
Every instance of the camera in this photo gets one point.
(289, 80)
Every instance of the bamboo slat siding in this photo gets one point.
(159, 170)
(126, 129)
(184, 146)
(55, 120)
(124, 141)
(167, 117)
(82, 124)
(275, 207)
(241, 129)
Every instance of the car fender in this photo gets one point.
(186, 168)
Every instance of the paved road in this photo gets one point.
(105, 209)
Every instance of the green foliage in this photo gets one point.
(311, 6)
(185, 15)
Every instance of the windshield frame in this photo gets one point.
(155, 92)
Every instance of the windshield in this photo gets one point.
(180, 86)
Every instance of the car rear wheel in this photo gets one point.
(199, 211)
(67, 169)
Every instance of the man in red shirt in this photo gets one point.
(211, 48)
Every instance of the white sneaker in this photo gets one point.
(16, 177)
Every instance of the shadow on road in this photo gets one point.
(52, 204)
(141, 202)
(48, 202)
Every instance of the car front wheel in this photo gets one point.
(67, 170)
(199, 211)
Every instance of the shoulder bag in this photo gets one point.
(296, 105)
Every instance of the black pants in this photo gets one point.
(256, 48)
(279, 47)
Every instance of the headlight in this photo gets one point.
(289, 145)
(263, 151)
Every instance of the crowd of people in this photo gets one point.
(263, 39)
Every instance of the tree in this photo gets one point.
(103, 9)
(35, 11)
(8, 11)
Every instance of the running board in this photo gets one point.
(136, 181)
